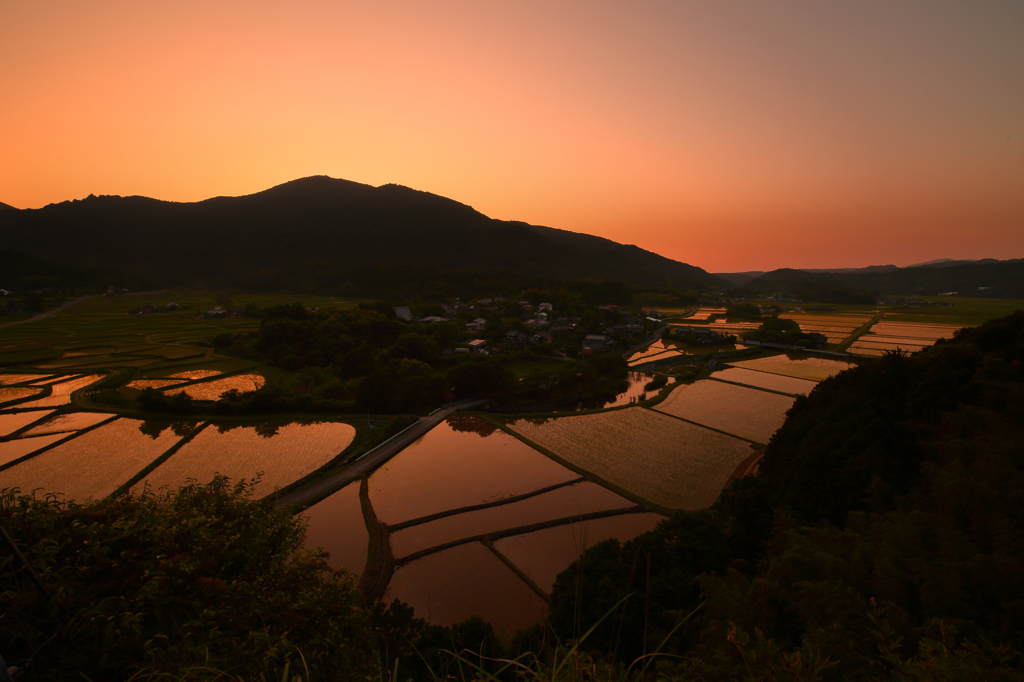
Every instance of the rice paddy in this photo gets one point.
(282, 457)
(573, 500)
(11, 379)
(666, 461)
(907, 336)
(63, 423)
(745, 412)
(212, 390)
(336, 524)
(812, 369)
(193, 374)
(468, 580)
(91, 465)
(16, 449)
(459, 463)
(543, 554)
(12, 421)
(773, 382)
(17, 393)
(141, 384)
(60, 393)
(705, 313)
(636, 391)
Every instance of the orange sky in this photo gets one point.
(730, 135)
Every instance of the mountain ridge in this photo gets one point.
(318, 225)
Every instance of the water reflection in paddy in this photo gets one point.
(18, 448)
(773, 382)
(8, 394)
(543, 554)
(744, 412)
(73, 421)
(93, 464)
(450, 586)
(336, 524)
(636, 391)
(461, 462)
(11, 422)
(212, 390)
(814, 369)
(282, 453)
(60, 393)
(573, 500)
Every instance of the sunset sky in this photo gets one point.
(730, 135)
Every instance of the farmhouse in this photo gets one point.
(402, 312)
(478, 346)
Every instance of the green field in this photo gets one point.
(98, 334)
(963, 311)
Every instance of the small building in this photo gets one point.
(402, 312)
(433, 319)
(545, 306)
(478, 345)
(514, 337)
(596, 341)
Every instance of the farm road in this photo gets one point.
(364, 465)
(47, 314)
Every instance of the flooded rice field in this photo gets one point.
(468, 580)
(194, 374)
(11, 379)
(745, 412)
(773, 382)
(336, 524)
(543, 554)
(60, 392)
(461, 462)
(655, 357)
(283, 454)
(637, 390)
(12, 421)
(16, 449)
(72, 421)
(141, 384)
(17, 393)
(91, 465)
(813, 369)
(915, 330)
(212, 390)
(666, 461)
(705, 313)
(570, 501)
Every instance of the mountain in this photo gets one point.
(950, 262)
(6, 207)
(987, 278)
(739, 279)
(320, 230)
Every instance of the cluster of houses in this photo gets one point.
(539, 325)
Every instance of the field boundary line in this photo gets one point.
(486, 505)
(149, 468)
(590, 476)
(759, 388)
(515, 569)
(710, 428)
(61, 441)
(521, 530)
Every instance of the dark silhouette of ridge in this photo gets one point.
(320, 225)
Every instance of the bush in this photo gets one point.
(203, 576)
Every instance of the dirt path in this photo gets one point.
(366, 463)
(49, 313)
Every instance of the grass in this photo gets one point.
(963, 311)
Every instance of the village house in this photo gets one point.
(478, 346)
(433, 319)
(402, 312)
(545, 306)
(515, 338)
(596, 341)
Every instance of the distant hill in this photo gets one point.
(316, 232)
(22, 273)
(987, 278)
(5, 207)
